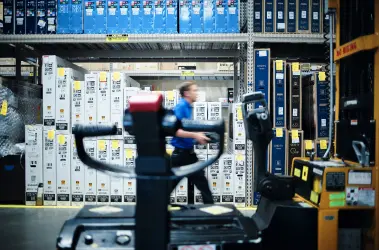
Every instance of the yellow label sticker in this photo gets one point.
(308, 144)
(305, 171)
(294, 134)
(128, 153)
(115, 144)
(122, 38)
(61, 139)
(239, 113)
(169, 151)
(239, 157)
(279, 65)
(279, 132)
(170, 95)
(4, 108)
(296, 66)
(102, 145)
(322, 76)
(116, 76)
(50, 134)
(323, 144)
(314, 197)
(187, 73)
(76, 85)
(61, 72)
(297, 172)
(103, 76)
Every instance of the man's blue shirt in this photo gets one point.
(183, 110)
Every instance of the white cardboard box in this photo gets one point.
(33, 162)
(63, 100)
(77, 104)
(181, 192)
(77, 177)
(63, 169)
(214, 111)
(128, 93)
(129, 183)
(200, 111)
(239, 180)
(214, 180)
(227, 165)
(49, 167)
(104, 101)
(117, 158)
(90, 97)
(90, 174)
(201, 96)
(236, 133)
(117, 103)
(103, 180)
(197, 193)
(49, 78)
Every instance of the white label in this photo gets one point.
(318, 171)
(170, 11)
(198, 247)
(280, 15)
(135, 11)
(295, 112)
(323, 122)
(280, 76)
(281, 26)
(232, 11)
(112, 11)
(159, 11)
(269, 14)
(51, 28)
(315, 16)
(366, 197)
(304, 204)
(147, 11)
(8, 19)
(303, 14)
(100, 11)
(281, 110)
(123, 11)
(51, 20)
(296, 73)
(208, 12)
(360, 178)
(291, 15)
(257, 15)
(262, 53)
(196, 11)
(220, 11)
(20, 21)
(106, 210)
(41, 23)
(88, 12)
(296, 140)
(216, 210)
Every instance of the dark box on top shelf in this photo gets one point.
(295, 96)
(277, 162)
(262, 73)
(268, 16)
(63, 17)
(52, 16)
(316, 16)
(303, 21)
(113, 17)
(8, 17)
(258, 16)
(294, 146)
(291, 15)
(233, 17)
(31, 17)
(280, 16)
(41, 27)
(279, 94)
(20, 16)
(76, 17)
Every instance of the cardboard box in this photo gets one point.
(77, 177)
(198, 199)
(291, 24)
(78, 103)
(63, 169)
(129, 183)
(233, 25)
(322, 99)
(49, 168)
(136, 16)
(185, 9)
(104, 101)
(316, 16)
(269, 19)
(200, 110)
(147, 17)
(221, 16)
(63, 17)
(113, 16)
(90, 99)
(321, 146)
(277, 162)
(262, 74)
(295, 97)
(215, 180)
(181, 192)
(279, 94)
(63, 100)
(303, 21)
(51, 16)
(95, 17)
(294, 146)
(209, 14)
(258, 19)
(90, 174)
(117, 103)
(227, 166)
(128, 93)
(280, 16)
(31, 17)
(171, 24)
(20, 17)
(170, 100)
(124, 26)
(49, 77)
(196, 16)
(8, 17)
(214, 112)
(41, 27)
(159, 15)
(236, 131)
(117, 158)
(33, 162)
(239, 180)
(76, 17)
(103, 180)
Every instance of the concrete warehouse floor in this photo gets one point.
(32, 228)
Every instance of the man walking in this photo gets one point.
(183, 143)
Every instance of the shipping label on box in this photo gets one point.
(129, 183)
(117, 158)
(159, 16)
(63, 169)
(49, 77)
(279, 94)
(209, 14)
(41, 27)
(233, 17)
(291, 25)
(294, 146)
(63, 17)
(33, 162)
(277, 162)
(90, 99)
(321, 93)
(303, 21)
(136, 16)
(49, 168)
(103, 180)
(269, 10)
(227, 166)
(20, 17)
(280, 16)
(63, 100)
(31, 17)
(185, 16)
(104, 101)
(77, 105)
(295, 119)
(316, 16)
(51, 16)
(124, 26)
(117, 104)
(181, 192)
(76, 17)
(90, 174)
(197, 193)
(77, 177)
(262, 74)
(196, 16)
(8, 17)
(147, 17)
(258, 12)
(215, 180)
(113, 17)
(239, 180)
(171, 17)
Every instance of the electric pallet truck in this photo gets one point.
(151, 225)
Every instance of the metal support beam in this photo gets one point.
(18, 63)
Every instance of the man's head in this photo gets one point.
(189, 91)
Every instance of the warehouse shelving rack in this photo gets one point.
(237, 48)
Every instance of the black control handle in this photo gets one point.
(254, 97)
(96, 130)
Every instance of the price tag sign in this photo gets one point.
(309, 144)
(115, 144)
(102, 145)
(61, 72)
(61, 139)
(116, 76)
(128, 153)
(4, 108)
(279, 132)
(117, 38)
(239, 114)
(187, 73)
(50, 134)
(76, 85)
(323, 144)
(279, 65)
(170, 95)
(294, 134)
(295, 66)
(322, 76)
(103, 76)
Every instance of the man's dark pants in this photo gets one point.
(182, 157)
